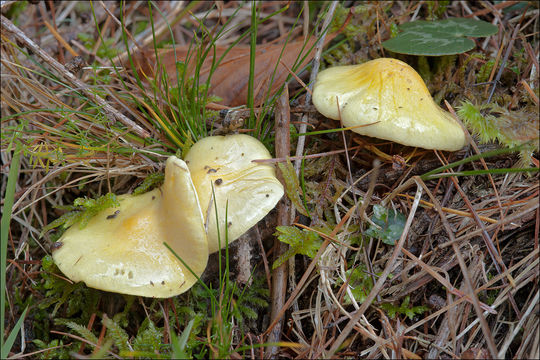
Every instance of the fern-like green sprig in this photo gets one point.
(300, 242)
(151, 181)
(409, 311)
(480, 125)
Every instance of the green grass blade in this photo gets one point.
(4, 232)
(179, 343)
(472, 158)
(478, 172)
(252, 51)
(6, 347)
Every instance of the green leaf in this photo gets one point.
(391, 224)
(360, 283)
(292, 186)
(82, 331)
(149, 338)
(440, 37)
(179, 343)
(302, 242)
(393, 310)
(116, 333)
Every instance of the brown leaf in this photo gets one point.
(230, 79)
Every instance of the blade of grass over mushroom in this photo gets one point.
(187, 267)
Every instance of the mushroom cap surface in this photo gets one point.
(392, 97)
(251, 189)
(121, 249)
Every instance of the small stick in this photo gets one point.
(311, 156)
(314, 72)
(279, 275)
(111, 112)
(503, 63)
(60, 39)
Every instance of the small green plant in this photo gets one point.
(360, 283)
(53, 350)
(390, 224)
(509, 128)
(292, 186)
(78, 298)
(151, 181)
(404, 309)
(302, 242)
(440, 37)
(82, 210)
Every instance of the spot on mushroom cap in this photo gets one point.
(125, 253)
(251, 189)
(391, 93)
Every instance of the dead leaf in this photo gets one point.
(230, 79)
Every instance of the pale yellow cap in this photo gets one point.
(246, 189)
(390, 95)
(121, 249)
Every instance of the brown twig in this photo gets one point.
(111, 112)
(500, 6)
(279, 275)
(503, 63)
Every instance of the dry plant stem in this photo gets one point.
(380, 282)
(279, 275)
(471, 142)
(518, 327)
(476, 304)
(311, 156)
(445, 282)
(503, 64)
(531, 205)
(96, 346)
(495, 256)
(111, 112)
(310, 268)
(312, 77)
(480, 289)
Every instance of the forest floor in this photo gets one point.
(378, 249)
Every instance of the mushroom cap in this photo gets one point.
(121, 249)
(251, 189)
(392, 97)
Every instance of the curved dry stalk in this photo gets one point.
(380, 282)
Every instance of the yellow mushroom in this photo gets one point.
(121, 249)
(247, 190)
(392, 99)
